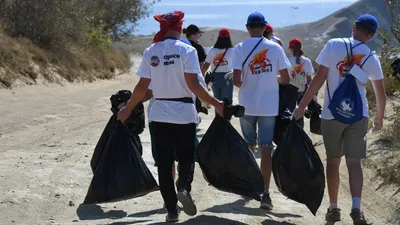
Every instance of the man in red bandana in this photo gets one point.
(172, 67)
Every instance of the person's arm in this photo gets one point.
(380, 96)
(283, 65)
(283, 77)
(315, 85)
(204, 68)
(147, 96)
(138, 93)
(237, 78)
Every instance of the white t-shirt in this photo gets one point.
(277, 40)
(298, 72)
(151, 101)
(215, 55)
(259, 93)
(165, 64)
(334, 56)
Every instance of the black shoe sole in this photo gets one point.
(188, 206)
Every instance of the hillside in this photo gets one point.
(314, 35)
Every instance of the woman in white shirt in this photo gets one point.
(300, 72)
(220, 55)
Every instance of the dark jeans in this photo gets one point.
(222, 88)
(178, 138)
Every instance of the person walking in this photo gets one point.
(219, 57)
(172, 68)
(269, 34)
(256, 63)
(340, 61)
(193, 34)
(300, 73)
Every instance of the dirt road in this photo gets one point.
(47, 137)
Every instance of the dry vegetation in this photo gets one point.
(71, 39)
(387, 164)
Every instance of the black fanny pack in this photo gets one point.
(184, 100)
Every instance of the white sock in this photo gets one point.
(356, 203)
(333, 206)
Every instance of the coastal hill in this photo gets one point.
(314, 35)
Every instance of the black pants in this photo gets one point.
(169, 137)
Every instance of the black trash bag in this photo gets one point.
(227, 162)
(315, 119)
(136, 121)
(287, 103)
(121, 174)
(102, 143)
(298, 170)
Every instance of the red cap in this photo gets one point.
(295, 43)
(224, 32)
(269, 28)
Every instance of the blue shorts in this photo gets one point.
(266, 125)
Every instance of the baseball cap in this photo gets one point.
(224, 32)
(269, 28)
(256, 18)
(295, 43)
(192, 29)
(369, 21)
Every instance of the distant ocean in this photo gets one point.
(233, 13)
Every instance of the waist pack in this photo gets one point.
(346, 104)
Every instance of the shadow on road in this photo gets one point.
(95, 212)
(238, 207)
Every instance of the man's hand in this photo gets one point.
(123, 114)
(220, 108)
(377, 125)
(298, 113)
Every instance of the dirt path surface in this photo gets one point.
(47, 137)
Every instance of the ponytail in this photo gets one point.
(297, 52)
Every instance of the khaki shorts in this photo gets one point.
(345, 139)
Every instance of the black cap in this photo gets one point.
(192, 29)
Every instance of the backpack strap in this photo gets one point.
(244, 62)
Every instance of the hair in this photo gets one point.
(364, 29)
(223, 43)
(297, 52)
(267, 34)
(256, 26)
(185, 31)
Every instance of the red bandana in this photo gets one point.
(169, 21)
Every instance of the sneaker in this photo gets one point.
(266, 202)
(189, 207)
(358, 217)
(172, 217)
(332, 215)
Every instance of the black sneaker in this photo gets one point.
(266, 202)
(358, 217)
(189, 207)
(172, 217)
(333, 215)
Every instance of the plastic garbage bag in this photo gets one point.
(135, 124)
(315, 119)
(136, 121)
(121, 173)
(227, 162)
(298, 170)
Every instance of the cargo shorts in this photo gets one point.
(345, 139)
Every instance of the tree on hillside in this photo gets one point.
(393, 7)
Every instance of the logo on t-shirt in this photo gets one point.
(298, 70)
(346, 62)
(219, 59)
(154, 61)
(260, 63)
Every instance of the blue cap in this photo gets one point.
(369, 21)
(184, 40)
(256, 18)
